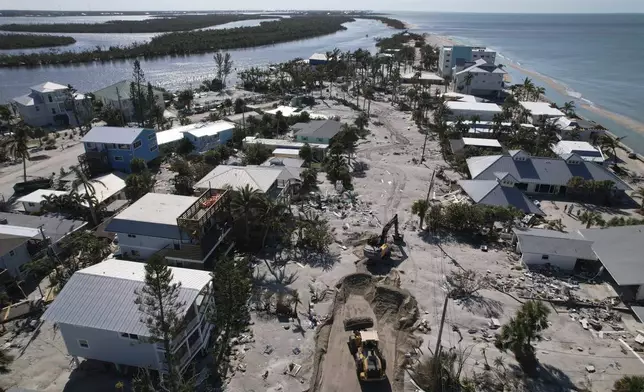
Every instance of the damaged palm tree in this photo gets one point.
(465, 283)
(442, 372)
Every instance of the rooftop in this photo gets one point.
(116, 91)
(116, 135)
(318, 57)
(539, 170)
(105, 186)
(553, 242)
(154, 214)
(237, 118)
(492, 193)
(479, 142)
(171, 135)
(48, 87)
(53, 227)
(473, 106)
(102, 296)
(620, 250)
(210, 129)
(542, 109)
(459, 97)
(257, 177)
(585, 150)
(280, 161)
(288, 111)
(282, 143)
(325, 129)
(424, 75)
(38, 195)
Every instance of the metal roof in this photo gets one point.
(209, 129)
(12, 237)
(473, 106)
(155, 215)
(281, 143)
(620, 251)
(116, 135)
(102, 296)
(542, 109)
(105, 186)
(585, 150)
(54, 227)
(473, 141)
(110, 92)
(539, 170)
(257, 177)
(239, 117)
(38, 195)
(318, 128)
(281, 161)
(639, 312)
(551, 242)
(48, 87)
(490, 192)
(26, 100)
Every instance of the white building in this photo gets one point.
(33, 201)
(562, 250)
(467, 110)
(289, 111)
(486, 79)
(186, 230)
(118, 97)
(48, 104)
(423, 77)
(541, 112)
(203, 136)
(282, 143)
(98, 318)
(450, 56)
(460, 145)
(583, 129)
(585, 150)
(272, 181)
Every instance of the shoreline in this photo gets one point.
(625, 121)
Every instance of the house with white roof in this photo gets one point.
(114, 148)
(33, 202)
(485, 80)
(274, 181)
(450, 56)
(318, 59)
(186, 230)
(459, 146)
(49, 104)
(467, 110)
(560, 249)
(583, 130)
(203, 136)
(539, 174)
(585, 150)
(289, 111)
(98, 318)
(540, 112)
(423, 77)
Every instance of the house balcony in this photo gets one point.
(210, 212)
(95, 162)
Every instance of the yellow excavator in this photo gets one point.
(363, 345)
(377, 247)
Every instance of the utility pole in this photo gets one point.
(422, 156)
(431, 185)
(440, 329)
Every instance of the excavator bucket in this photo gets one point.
(358, 323)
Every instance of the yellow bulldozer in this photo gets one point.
(363, 345)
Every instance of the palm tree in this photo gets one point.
(295, 299)
(243, 205)
(468, 81)
(90, 191)
(611, 144)
(591, 218)
(538, 92)
(475, 119)
(420, 208)
(527, 88)
(519, 333)
(629, 384)
(569, 108)
(639, 194)
(17, 147)
(272, 217)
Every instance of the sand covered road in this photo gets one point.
(393, 310)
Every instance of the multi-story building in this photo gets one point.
(485, 80)
(113, 148)
(450, 56)
(98, 318)
(186, 230)
(118, 96)
(50, 104)
(203, 136)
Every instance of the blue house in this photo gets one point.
(113, 148)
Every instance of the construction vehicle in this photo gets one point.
(377, 247)
(363, 345)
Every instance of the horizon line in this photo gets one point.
(332, 10)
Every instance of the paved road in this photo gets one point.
(55, 159)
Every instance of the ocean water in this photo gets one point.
(596, 60)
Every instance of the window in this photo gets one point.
(53, 111)
(12, 253)
(83, 343)
(37, 108)
(50, 99)
(153, 147)
(32, 204)
(545, 257)
(118, 158)
(126, 335)
(136, 253)
(124, 146)
(137, 144)
(152, 136)
(132, 235)
(177, 246)
(134, 337)
(111, 146)
(320, 139)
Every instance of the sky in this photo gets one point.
(510, 6)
